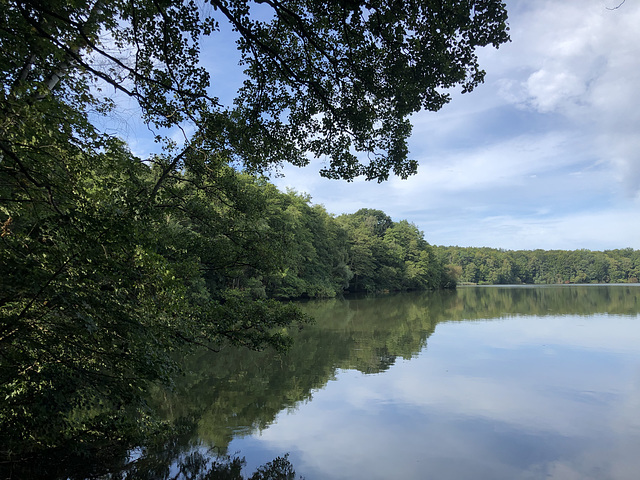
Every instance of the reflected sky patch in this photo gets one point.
(516, 398)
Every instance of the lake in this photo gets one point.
(523, 382)
(482, 382)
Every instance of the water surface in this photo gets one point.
(482, 383)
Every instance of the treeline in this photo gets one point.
(501, 267)
(303, 251)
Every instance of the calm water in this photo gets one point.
(482, 383)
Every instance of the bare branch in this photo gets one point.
(167, 170)
(616, 8)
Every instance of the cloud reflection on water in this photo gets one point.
(524, 397)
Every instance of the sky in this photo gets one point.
(545, 154)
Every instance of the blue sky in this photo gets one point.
(545, 154)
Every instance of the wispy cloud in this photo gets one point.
(545, 154)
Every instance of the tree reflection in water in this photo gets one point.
(205, 465)
(163, 464)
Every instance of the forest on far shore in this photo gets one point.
(491, 266)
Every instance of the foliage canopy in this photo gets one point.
(331, 79)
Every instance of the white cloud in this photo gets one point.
(441, 413)
(583, 64)
(545, 154)
(548, 89)
(506, 163)
(606, 229)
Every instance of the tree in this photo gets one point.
(385, 255)
(111, 261)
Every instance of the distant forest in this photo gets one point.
(490, 266)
